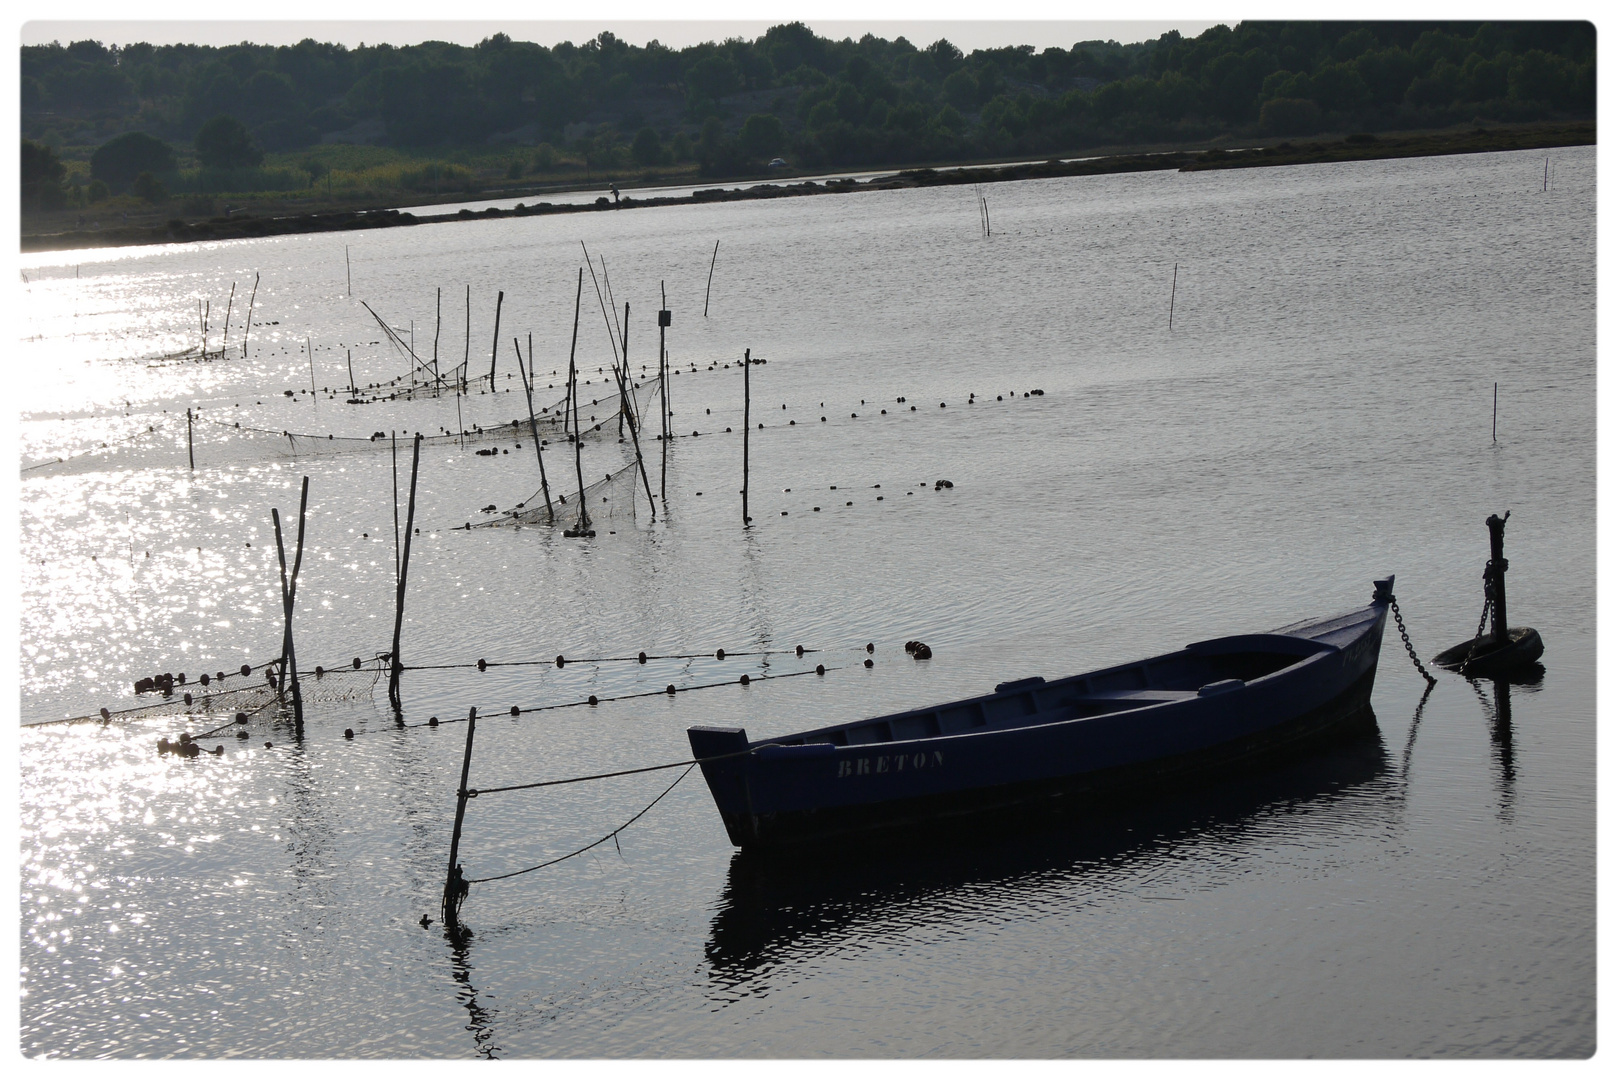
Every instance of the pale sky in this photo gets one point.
(966, 34)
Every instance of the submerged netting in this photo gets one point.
(211, 709)
(597, 417)
(609, 499)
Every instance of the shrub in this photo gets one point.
(1289, 116)
(150, 188)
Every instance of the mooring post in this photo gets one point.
(404, 573)
(1497, 566)
(190, 446)
(455, 887)
(746, 428)
(495, 353)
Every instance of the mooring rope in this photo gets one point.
(609, 836)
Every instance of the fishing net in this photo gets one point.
(220, 707)
(611, 498)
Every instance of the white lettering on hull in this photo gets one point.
(889, 763)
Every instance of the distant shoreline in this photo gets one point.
(1352, 148)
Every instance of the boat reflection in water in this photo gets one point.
(779, 904)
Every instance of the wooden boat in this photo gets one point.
(1119, 730)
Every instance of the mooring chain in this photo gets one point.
(1403, 633)
(1487, 597)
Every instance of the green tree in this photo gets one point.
(762, 135)
(122, 158)
(648, 148)
(42, 176)
(150, 188)
(223, 143)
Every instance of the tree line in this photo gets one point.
(731, 106)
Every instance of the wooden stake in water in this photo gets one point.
(1173, 295)
(436, 330)
(533, 425)
(310, 351)
(353, 387)
(495, 355)
(289, 593)
(245, 334)
(348, 263)
(225, 344)
(191, 455)
(746, 429)
(572, 392)
(710, 267)
(1546, 174)
(395, 436)
(1495, 412)
(626, 409)
(665, 319)
(454, 887)
(404, 573)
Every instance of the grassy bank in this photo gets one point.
(262, 214)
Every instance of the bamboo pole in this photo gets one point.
(495, 355)
(437, 329)
(572, 382)
(395, 437)
(665, 319)
(533, 424)
(1173, 294)
(1495, 412)
(191, 454)
(746, 429)
(349, 264)
(626, 409)
(225, 343)
(710, 267)
(311, 366)
(289, 592)
(454, 880)
(245, 334)
(404, 573)
(353, 387)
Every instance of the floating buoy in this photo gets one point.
(561, 661)
(923, 651)
(188, 698)
(819, 669)
(800, 650)
(348, 733)
(319, 672)
(670, 688)
(241, 718)
(870, 663)
(745, 680)
(218, 751)
(594, 700)
(719, 655)
(642, 658)
(241, 734)
(105, 715)
(356, 663)
(246, 670)
(432, 721)
(515, 711)
(203, 679)
(269, 746)
(482, 665)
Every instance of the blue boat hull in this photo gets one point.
(1125, 729)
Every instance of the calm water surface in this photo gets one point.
(1319, 414)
